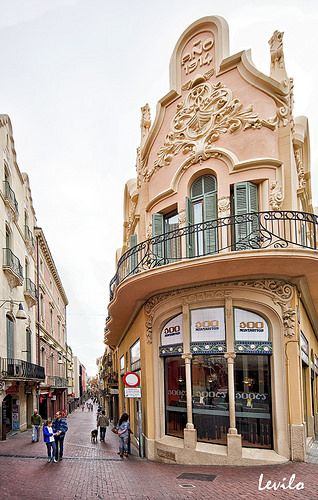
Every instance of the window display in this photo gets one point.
(175, 396)
(210, 398)
(253, 400)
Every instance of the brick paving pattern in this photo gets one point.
(95, 471)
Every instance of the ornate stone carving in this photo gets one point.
(224, 204)
(145, 122)
(288, 320)
(278, 70)
(200, 79)
(300, 168)
(149, 231)
(182, 217)
(280, 291)
(208, 111)
(275, 196)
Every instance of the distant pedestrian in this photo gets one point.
(83, 407)
(49, 440)
(102, 423)
(123, 429)
(36, 422)
(59, 428)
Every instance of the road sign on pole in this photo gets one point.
(131, 379)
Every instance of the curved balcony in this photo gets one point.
(276, 243)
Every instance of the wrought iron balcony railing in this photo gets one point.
(28, 235)
(57, 382)
(20, 369)
(10, 196)
(30, 288)
(12, 262)
(253, 231)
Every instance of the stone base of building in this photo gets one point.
(173, 450)
(298, 442)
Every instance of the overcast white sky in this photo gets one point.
(74, 74)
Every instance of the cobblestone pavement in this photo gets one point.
(95, 471)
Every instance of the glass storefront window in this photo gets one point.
(210, 398)
(175, 396)
(253, 404)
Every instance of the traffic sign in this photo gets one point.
(131, 379)
(132, 392)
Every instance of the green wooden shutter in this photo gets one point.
(210, 213)
(189, 222)
(245, 201)
(133, 258)
(253, 207)
(157, 229)
(10, 339)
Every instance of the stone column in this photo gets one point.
(234, 440)
(190, 433)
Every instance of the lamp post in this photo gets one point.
(20, 314)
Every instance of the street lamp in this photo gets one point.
(20, 314)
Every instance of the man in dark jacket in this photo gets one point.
(59, 428)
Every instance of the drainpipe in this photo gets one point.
(38, 297)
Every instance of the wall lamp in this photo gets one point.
(20, 314)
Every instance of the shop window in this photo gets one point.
(135, 356)
(201, 207)
(210, 402)
(175, 396)
(253, 404)
(208, 330)
(172, 336)
(251, 333)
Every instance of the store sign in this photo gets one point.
(250, 326)
(207, 325)
(172, 332)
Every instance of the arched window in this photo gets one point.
(202, 207)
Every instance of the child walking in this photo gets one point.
(48, 435)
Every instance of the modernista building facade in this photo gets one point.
(215, 299)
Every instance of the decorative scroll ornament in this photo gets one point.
(288, 320)
(278, 70)
(208, 112)
(276, 196)
(199, 79)
(182, 217)
(145, 122)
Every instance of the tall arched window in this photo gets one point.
(201, 208)
(28, 347)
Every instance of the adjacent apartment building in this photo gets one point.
(34, 361)
(215, 300)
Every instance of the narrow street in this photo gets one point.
(96, 471)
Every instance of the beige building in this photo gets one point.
(20, 374)
(214, 303)
(51, 329)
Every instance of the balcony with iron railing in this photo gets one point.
(29, 236)
(275, 243)
(12, 267)
(10, 198)
(30, 292)
(57, 382)
(20, 369)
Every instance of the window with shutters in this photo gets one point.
(168, 247)
(245, 201)
(133, 255)
(28, 344)
(10, 337)
(201, 207)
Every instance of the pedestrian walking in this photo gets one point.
(36, 422)
(59, 428)
(102, 423)
(49, 440)
(83, 407)
(123, 429)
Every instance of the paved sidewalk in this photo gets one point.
(95, 471)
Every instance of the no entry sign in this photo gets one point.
(131, 379)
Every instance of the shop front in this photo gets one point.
(217, 381)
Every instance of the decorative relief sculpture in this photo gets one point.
(277, 52)
(182, 217)
(300, 168)
(209, 111)
(275, 196)
(224, 204)
(289, 320)
(145, 122)
(199, 79)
